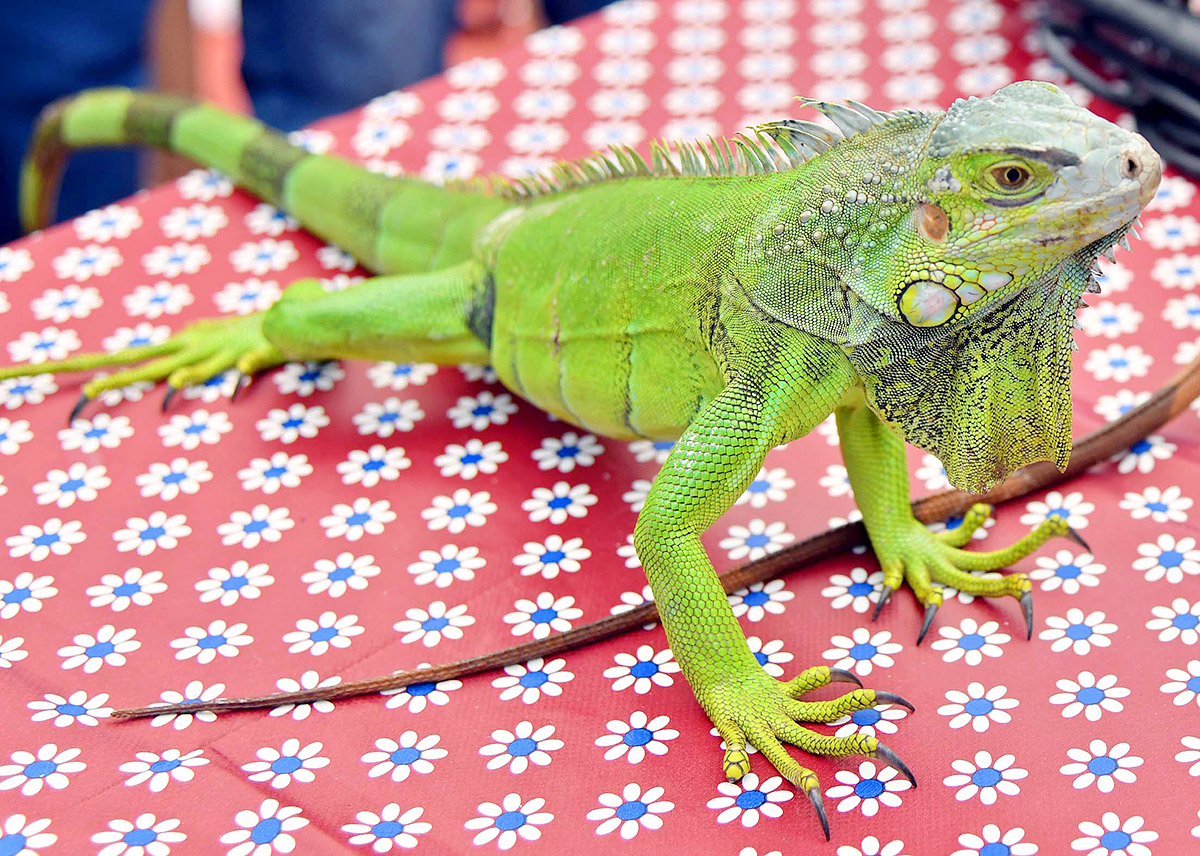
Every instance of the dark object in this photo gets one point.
(1141, 54)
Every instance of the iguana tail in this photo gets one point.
(391, 225)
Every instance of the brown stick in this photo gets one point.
(1100, 445)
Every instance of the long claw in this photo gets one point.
(1074, 535)
(893, 760)
(884, 597)
(814, 796)
(243, 380)
(78, 408)
(892, 698)
(930, 612)
(1027, 610)
(166, 402)
(844, 677)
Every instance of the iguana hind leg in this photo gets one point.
(422, 317)
(910, 553)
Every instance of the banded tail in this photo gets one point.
(391, 225)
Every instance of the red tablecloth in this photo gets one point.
(317, 529)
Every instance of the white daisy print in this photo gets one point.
(392, 826)
(108, 647)
(531, 681)
(145, 535)
(1190, 754)
(756, 539)
(194, 692)
(1167, 505)
(278, 471)
(38, 542)
(1168, 559)
(90, 435)
(558, 503)
(145, 835)
(203, 644)
(522, 746)
(632, 739)
(551, 557)
(1089, 695)
(971, 642)
(82, 263)
(265, 830)
(985, 778)
(134, 587)
(642, 670)
(567, 452)
(25, 593)
(1072, 507)
(470, 459)
(510, 819)
(14, 263)
(204, 184)
(13, 434)
(405, 755)
(161, 298)
(1067, 571)
(361, 517)
(292, 762)
(992, 839)
(630, 811)
(229, 585)
(1183, 684)
(749, 800)
(456, 512)
(268, 220)
(11, 651)
(769, 654)
(249, 295)
(50, 343)
(429, 626)
(262, 257)
(48, 767)
(191, 222)
(190, 430)
(543, 615)
(168, 480)
(399, 376)
(1177, 621)
(857, 590)
(309, 680)
(304, 379)
(862, 651)
(1101, 765)
(77, 708)
(1144, 454)
(759, 600)
(651, 450)
(338, 576)
(369, 467)
(868, 789)
(1078, 632)
(288, 426)
(248, 529)
(1114, 837)
(385, 418)
(327, 631)
(417, 696)
(60, 305)
(442, 567)
(27, 389)
(636, 495)
(175, 260)
(157, 771)
(978, 706)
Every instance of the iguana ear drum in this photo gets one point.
(927, 304)
(931, 222)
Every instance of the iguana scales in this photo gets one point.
(915, 273)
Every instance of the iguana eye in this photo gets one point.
(1011, 176)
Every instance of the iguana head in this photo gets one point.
(950, 252)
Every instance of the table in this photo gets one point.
(302, 534)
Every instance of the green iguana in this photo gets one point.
(914, 273)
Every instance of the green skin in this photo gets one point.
(918, 279)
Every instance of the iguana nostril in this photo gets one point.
(1131, 167)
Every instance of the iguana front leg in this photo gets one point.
(787, 386)
(906, 549)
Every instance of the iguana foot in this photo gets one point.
(914, 555)
(193, 355)
(766, 713)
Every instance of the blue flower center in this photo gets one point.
(164, 765)
(869, 789)
(1067, 572)
(971, 641)
(310, 375)
(405, 755)
(422, 689)
(17, 595)
(1058, 512)
(342, 572)
(860, 589)
(750, 799)
(100, 649)
(762, 658)
(483, 410)
(1193, 684)
(265, 831)
(434, 624)
(358, 518)
(978, 707)
(1089, 695)
(387, 829)
(139, 837)
(759, 486)
(510, 820)
(1170, 559)
(1102, 765)
(294, 422)
(11, 845)
(71, 485)
(403, 369)
(559, 502)
(374, 464)
(46, 539)
(553, 557)
(986, 777)
(471, 458)
(644, 669)
(286, 764)
(1157, 506)
(323, 634)
(522, 746)
(257, 526)
(173, 478)
(212, 641)
(757, 540)
(1140, 446)
(274, 472)
(127, 589)
(533, 679)
(390, 416)
(756, 598)
(1078, 631)
(459, 511)
(631, 810)
(638, 736)
(196, 428)
(447, 566)
(40, 769)
(870, 716)
(153, 533)
(543, 616)
(1116, 839)
(234, 583)
(863, 651)
(69, 709)
(568, 451)
(1187, 621)
(995, 848)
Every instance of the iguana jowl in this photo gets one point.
(915, 273)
